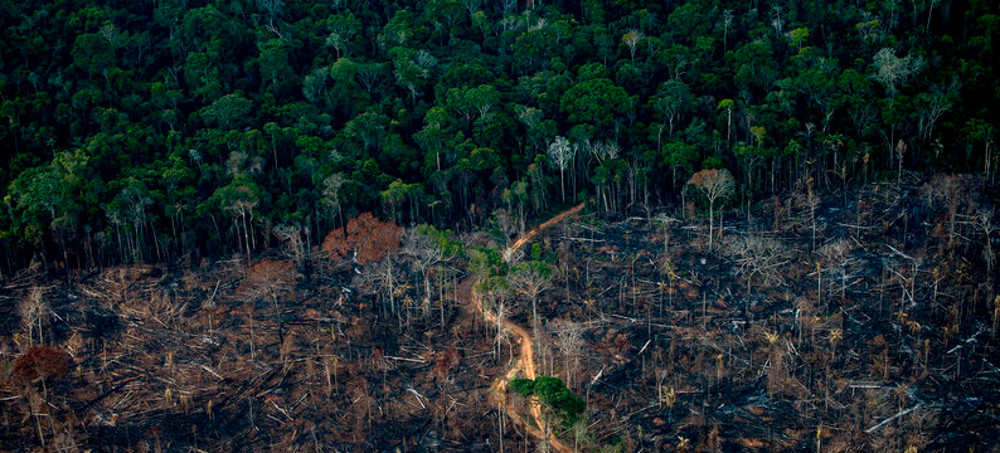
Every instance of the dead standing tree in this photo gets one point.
(572, 346)
(430, 252)
(758, 256)
(715, 184)
(530, 279)
(836, 255)
(561, 153)
(365, 240)
(34, 310)
(987, 225)
(955, 192)
(424, 255)
(293, 237)
(496, 300)
(272, 280)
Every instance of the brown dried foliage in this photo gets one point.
(43, 362)
(370, 237)
(715, 183)
(269, 278)
(446, 362)
(269, 272)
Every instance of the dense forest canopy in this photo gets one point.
(151, 131)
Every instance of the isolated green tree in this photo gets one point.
(552, 392)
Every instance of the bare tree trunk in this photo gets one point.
(711, 222)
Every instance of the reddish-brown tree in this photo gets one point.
(41, 362)
(269, 278)
(446, 362)
(365, 235)
(273, 280)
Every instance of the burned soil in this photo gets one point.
(864, 320)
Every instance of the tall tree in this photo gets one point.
(531, 278)
(715, 185)
(561, 153)
(596, 105)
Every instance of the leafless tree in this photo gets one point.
(727, 21)
(571, 345)
(34, 310)
(530, 279)
(497, 303)
(561, 154)
(291, 235)
(893, 71)
(424, 255)
(368, 74)
(812, 201)
(631, 39)
(381, 275)
(471, 6)
(986, 224)
(242, 211)
(758, 256)
(509, 221)
(956, 192)
(714, 184)
(935, 104)
(836, 254)
(332, 187)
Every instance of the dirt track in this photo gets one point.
(526, 361)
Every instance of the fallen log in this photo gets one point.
(899, 414)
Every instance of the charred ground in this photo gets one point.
(861, 320)
(864, 321)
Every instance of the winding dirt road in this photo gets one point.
(525, 364)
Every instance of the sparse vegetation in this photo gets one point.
(748, 345)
